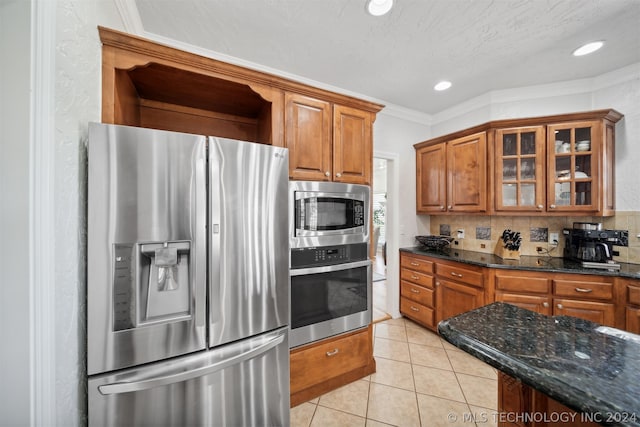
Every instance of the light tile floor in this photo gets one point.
(420, 380)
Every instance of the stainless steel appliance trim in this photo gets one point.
(144, 186)
(328, 328)
(138, 385)
(329, 268)
(330, 237)
(249, 251)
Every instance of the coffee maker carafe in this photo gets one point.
(590, 245)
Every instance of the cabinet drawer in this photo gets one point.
(417, 312)
(417, 278)
(327, 360)
(590, 290)
(416, 293)
(633, 295)
(536, 285)
(416, 264)
(464, 275)
(537, 303)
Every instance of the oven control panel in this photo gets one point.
(328, 255)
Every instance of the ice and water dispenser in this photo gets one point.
(151, 283)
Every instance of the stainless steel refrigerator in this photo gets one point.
(188, 282)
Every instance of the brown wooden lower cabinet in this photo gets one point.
(456, 298)
(633, 320)
(522, 406)
(320, 367)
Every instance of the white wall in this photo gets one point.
(14, 212)
(77, 94)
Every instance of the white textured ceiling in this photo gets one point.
(479, 45)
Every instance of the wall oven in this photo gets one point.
(328, 213)
(330, 291)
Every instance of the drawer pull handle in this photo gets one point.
(545, 304)
(415, 277)
(332, 352)
(559, 306)
(414, 308)
(453, 273)
(415, 264)
(415, 291)
(584, 290)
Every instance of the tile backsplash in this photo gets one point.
(483, 232)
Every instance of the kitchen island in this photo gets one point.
(562, 364)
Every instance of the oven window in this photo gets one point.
(325, 296)
(329, 213)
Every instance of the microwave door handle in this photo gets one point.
(125, 387)
(330, 268)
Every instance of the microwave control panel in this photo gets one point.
(328, 255)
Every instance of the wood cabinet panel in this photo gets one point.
(598, 312)
(633, 294)
(308, 137)
(431, 179)
(454, 298)
(321, 362)
(416, 264)
(420, 313)
(467, 274)
(521, 282)
(467, 174)
(513, 398)
(417, 278)
(419, 294)
(352, 145)
(632, 320)
(583, 289)
(538, 303)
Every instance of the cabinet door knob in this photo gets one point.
(414, 308)
(559, 306)
(545, 304)
(552, 206)
(584, 290)
(437, 283)
(332, 352)
(327, 173)
(540, 206)
(450, 207)
(338, 175)
(441, 208)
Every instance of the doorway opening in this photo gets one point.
(379, 239)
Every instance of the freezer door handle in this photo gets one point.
(125, 387)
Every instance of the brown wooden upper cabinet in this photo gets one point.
(146, 84)
(557, 165)
(452, 175)
(327, 142)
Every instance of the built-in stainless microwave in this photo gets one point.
(328, 213)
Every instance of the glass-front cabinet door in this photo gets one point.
(519, 172)
(572, 166)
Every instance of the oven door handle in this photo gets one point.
(330, 268)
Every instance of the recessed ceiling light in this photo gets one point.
(443, 85)
(588, 48)
(379, 7)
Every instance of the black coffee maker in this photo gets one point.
(590, 245)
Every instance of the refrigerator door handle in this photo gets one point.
(125, 387)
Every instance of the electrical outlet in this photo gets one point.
(554, 239)
(538, 248)
(461, 233)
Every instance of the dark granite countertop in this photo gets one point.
(586, 367)
(534, 263)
